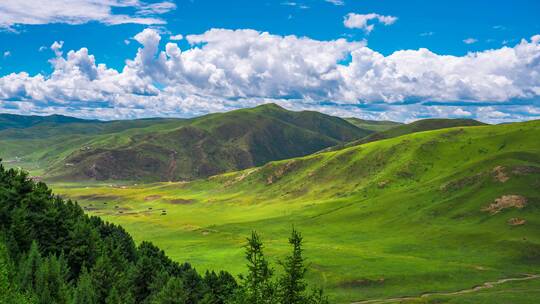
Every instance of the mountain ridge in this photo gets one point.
(178, 149)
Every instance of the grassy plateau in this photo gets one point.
(429, 212)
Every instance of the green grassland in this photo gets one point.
(373, 125)
(389, 129)
(396, 217)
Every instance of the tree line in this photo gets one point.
(52, 252)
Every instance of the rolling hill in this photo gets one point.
(8, 121)
(373, 125)
(174, 149)
(435, 211)
(392, 129)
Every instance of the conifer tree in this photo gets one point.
(29, 268)
(292, 285)
(220, 287)
(51, 285)
(84, 292)
(257, 285)
(103, 277)
(8, 290)
(172, 293)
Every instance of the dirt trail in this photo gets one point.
(486, 285)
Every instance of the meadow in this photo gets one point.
(436, 211)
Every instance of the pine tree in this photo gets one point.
(51, 285)
(257, 285)
(143, 275)
(193, 286)
(8, 290)
(5, 288)
(103, 277)
(29, 268)
(84, 292)
(292, 285)
(172, 293)
(220, 287)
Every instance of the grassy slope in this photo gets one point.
(20, 121)
(45, 145)
(373, 125)
(388, 218)
(174, 149)
(404, 129)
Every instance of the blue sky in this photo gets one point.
(109, 31)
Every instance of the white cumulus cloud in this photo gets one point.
(226, 69)
(176, 37)
(17, 12)
(362, 21)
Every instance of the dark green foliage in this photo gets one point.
(8, 290)
(221, 287)
(51, 281)
(84, 292)
(174, 292)
(291, 284)
(114, 297)
(28, 269)
(63, 256)
(259, 286)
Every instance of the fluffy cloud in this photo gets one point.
(470, 40)
(16, 12)
(336, 2)
(227, 69)
(176, 37)
(361, 21)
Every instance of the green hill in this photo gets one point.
(20, 121)
(436, 211)
(174, 149)
(373, 125)
(391, 129)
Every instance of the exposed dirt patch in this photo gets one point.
(499, 173)
(181, 201)
(505, 202)
(246, 174)
(152, 198)
(515, 221)
(280, 172)
(383, 184)
(240, 177)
